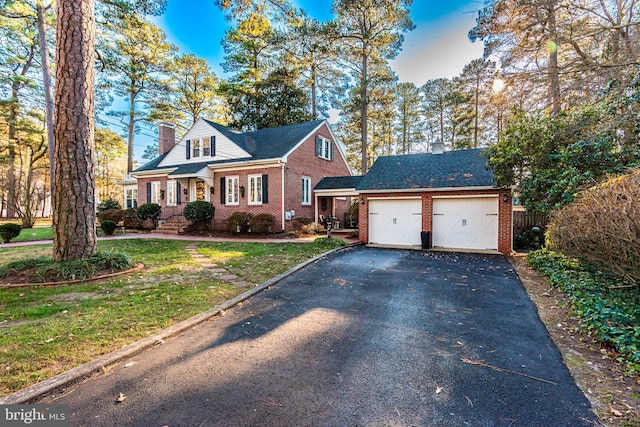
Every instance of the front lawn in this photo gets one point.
(48, 330)
(607, 309)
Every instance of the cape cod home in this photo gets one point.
(271, 171)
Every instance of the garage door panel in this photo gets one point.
(395, 222)
(466, 223)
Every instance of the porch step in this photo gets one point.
(172, 225)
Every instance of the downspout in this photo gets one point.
(284, 193)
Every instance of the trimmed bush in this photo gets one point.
(107, 204)
(239, 222)
(130, 219)
(114, 215)
(301, 221)
(108, 227)
(601, 227)
(262, 223)
(199, 211)
(9, 231)
(313, 228)
(148, 211)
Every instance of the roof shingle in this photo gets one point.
(458, 168)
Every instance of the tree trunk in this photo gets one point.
(314, 102)
(46, 85)
(364, 110)
(130, 129)
(554, 77)
(74, 233)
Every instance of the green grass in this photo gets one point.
(45, 331)
(35, 233)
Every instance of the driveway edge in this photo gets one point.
(31, 393)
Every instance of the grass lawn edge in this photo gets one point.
(31, 394)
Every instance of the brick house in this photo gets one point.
(447, 198)
(269, 171)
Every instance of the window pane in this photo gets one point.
(206, 146)
(196, 147)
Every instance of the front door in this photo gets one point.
(200, 193)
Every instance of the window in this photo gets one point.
(131, 198)
(201, 147)
(232, 190)
(255, 189)
(324, 148)
(206, 146)
(306, 190)
(155, 192)
(196, 147)
(172, 193)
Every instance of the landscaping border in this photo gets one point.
(73, 282)
(32, 393)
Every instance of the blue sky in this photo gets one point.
(437, 47)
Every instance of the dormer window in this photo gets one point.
(201, 147)
(324, 148)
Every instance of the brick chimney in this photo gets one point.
(166, 137)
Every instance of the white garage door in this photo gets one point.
(466, 223)
(396, 222)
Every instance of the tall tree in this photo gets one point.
(410, 126)
(135, 59)
(476, 81)
(371, 31)
(192, 93)
(74, 234)
(437, 101)
(111, 155)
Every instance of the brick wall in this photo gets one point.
(304, 162)
(505, 218)
(273, 206)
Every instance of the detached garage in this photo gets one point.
(448, 195)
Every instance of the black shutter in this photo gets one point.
(188, 147)
(265, 188)
(330, 150)
(148, 192)
(178, 193)
(213, 146)
(318, 146)
(223, 191)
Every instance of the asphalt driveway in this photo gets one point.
(365, 337)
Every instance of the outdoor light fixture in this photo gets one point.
(185, 191)
(505, 198)
(362, 200)
(212, 190)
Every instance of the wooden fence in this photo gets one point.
(525, 220)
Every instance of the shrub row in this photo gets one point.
(607, 308)
(245, 222)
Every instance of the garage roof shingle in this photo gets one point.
(458, 168)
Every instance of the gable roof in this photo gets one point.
(338, 182)
(262, 144)
(269, 143)
(458, 168)
(152, 165)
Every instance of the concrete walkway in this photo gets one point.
(265, 239)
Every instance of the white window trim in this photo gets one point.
(155, 192)
(195, 148)
(325, 152)
(308, 191)
(172, 193)
(258, 179)
(203, 146)
(133, 198)
(229, 181)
